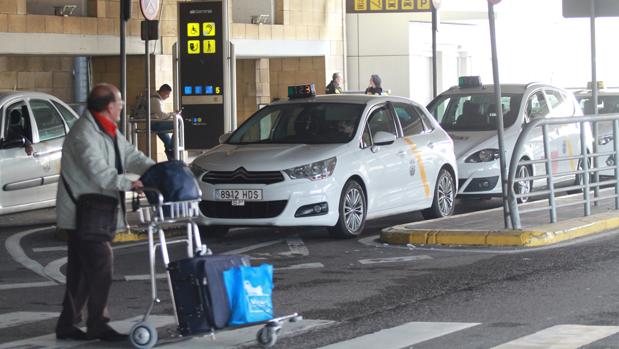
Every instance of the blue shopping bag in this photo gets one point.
(250, 292)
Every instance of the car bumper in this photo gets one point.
(479, 179)
(280, 202)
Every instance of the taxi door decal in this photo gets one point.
(570, 152)
(422, 168)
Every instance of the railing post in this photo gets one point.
(615, 148)
(551, 187)
(585, 168)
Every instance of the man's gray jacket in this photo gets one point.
(88, 165)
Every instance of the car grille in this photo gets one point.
(242, 176)
(251, 209)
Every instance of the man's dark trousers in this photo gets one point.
(89, 278)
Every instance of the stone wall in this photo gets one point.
(52, 74)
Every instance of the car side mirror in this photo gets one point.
(13, 143)
(384, 138)
(224, 137)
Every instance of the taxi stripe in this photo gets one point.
(422, 168)
(570, 152)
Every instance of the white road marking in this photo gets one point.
(296, 246)
(253, 247)
(27, 285)
(301, 266)
(403, 336)
(19, 318)
(143, 277)
(49, 341)
(52, 270)
(394, 259)
(13, 246)
(561, 337)
(49, 249)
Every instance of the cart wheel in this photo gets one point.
(143, 335)
(296, 318)
(267, 337)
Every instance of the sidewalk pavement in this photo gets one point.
(486, 228)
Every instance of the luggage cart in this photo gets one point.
(143, 335)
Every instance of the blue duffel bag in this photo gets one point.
(173, 179)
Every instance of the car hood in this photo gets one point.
(466, 141)
(265, 157)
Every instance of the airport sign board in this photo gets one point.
(387, 6)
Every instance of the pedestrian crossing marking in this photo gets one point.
(402, 336)
(561, 337)
(19, 318)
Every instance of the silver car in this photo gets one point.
(33, 126)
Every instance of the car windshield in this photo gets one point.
(606, 104)
(300, 123)
(475, 111)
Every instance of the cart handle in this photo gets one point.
(156, 191)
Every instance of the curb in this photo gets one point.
(129, 235)
(530, 237)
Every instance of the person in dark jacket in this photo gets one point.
(375, 87)
(335, 86)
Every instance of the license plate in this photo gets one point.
(237, 195)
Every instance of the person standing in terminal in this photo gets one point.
(335, 86)
(95, 159)
(162, 127)
(375, 86)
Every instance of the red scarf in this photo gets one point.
(108, 125)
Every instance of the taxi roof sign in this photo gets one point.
(469, 81)
(301, 91)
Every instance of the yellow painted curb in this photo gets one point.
(125, 236)
(531, 237)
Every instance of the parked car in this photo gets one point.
(468, 113)
(33, 126)
(331, 161)
(608, 103)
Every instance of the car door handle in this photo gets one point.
(402, 153)
(431, 145)
(37, 154)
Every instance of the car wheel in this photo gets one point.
(523, 187)
(212, 231)
(352, 210)
(579, 178)
(443, 203)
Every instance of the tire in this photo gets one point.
(352, 212)
(579, 177)
(266, 337)
(213, 231)
(523, 187)
(143, 335)
(443, 203)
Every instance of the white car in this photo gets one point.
(608, 103)
(331, 161)
(468, 113)
(33, 127)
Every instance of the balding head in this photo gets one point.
(105, 99)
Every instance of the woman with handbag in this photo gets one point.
(90, 207)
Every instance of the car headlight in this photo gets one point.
(605, 139)
(314, 171)
(196, 170)
(485, 155)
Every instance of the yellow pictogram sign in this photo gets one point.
(423, 4)
(193, 47)
(193, 29)
(208, 28)
(408, 5)
(209, 46)
(376, 5)
(392, 5)
(361, 5)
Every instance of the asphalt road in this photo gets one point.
(429, 298)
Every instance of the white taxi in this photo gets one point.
(331, 161)
(468, 113)
(32, 128)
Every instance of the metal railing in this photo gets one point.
(178, 133)
(588, 166)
